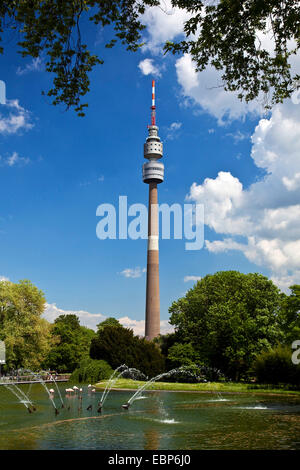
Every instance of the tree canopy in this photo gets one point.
(72, 343)
(234, 37)
(228, 318)
(120, 346)
(110, 321)
(290, 315)
(53, 28)
(26, 335)
(226, 34)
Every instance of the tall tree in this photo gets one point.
(72, 343)
(290, 315)
(26, 335)
(228, 318)
(110, 321)
(118, 345)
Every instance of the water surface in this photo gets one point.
(156, 421)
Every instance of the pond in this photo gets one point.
(156, 421)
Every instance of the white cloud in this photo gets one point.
(138, 326)
(163, 23)
(285, 281)
(238, 136)
(14, 118)
(36, 65)
(172, 130)
(206, 89)
(91, 320)
(267, 214)
(133, 272)
(3, 278)
(14, 160)
(192, 278)
(292, 183)
(147, 67)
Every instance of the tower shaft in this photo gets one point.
(152, 328)
(153, 174)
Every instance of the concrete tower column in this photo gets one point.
(152, 287)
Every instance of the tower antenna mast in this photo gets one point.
(153, 108)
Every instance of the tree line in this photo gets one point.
(228, 321)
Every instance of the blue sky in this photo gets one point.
(57, 168)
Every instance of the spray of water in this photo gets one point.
(39, 378)
(151, 381)
(15, 391)
(140, 390)
(111, 380)
(131, 371)
(58, 391)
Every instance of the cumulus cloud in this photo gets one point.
(14, 160)
(138, 326)
(172, 130)
(203, 89)
(206, 89)
(147, 67)
(91, 320)
(14, 118)
(36, 65)
(3, 278)
(192, 278)
(163, 23)
(262, 221)
(133, 272)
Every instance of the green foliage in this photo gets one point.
(26, 335)
(224, 35)
(290, 315)
(110, 321)
(228, 36)
(119, 346)
(91, 371)
(276, 367)
(182, 354)
(228, 318)
(72, 344)
(53, 28)
(165, 342)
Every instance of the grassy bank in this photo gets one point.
(223, 387)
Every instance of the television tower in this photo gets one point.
(153, 174)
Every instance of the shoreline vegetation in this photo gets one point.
(208, 387)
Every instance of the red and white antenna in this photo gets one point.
(153, 105)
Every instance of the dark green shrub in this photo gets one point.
(118, 345)
(276, 367)
(92, 371)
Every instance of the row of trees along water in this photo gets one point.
(228, 325)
